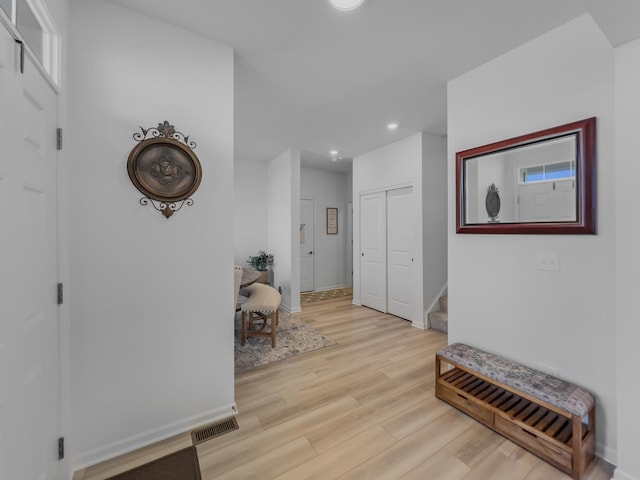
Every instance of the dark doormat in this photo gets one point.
(180, 465)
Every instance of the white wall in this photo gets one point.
(420, 161)
(283, 186)
(392, 166)
(151, 329)
(249, 209)
(434, 218)
(328, 189)
(627, 104)
(500, 301)
(252, 187)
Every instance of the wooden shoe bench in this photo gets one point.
(550, 417)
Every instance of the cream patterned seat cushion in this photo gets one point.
(542, 386)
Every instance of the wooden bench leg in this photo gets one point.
(576, 444)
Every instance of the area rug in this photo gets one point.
(182, 465)
(310, 297)
(294, 337)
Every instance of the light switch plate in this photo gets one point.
(549, 261)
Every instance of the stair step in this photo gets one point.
(439, 321)
(444, 303)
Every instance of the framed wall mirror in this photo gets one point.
(540, 183)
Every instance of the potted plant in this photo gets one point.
(261, 261)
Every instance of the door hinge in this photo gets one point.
(60, 294)
(60, 448)
(59, 138)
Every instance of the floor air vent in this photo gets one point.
(214, 430)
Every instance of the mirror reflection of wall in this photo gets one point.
(536, 182)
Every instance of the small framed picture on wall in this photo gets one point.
(332, 221)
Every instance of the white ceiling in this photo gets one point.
(316, 79)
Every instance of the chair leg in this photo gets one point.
(243, 334)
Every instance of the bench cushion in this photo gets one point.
(542, 386)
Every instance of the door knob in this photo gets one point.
(310, 253)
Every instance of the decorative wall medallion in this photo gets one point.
(164, 168)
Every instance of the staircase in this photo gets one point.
(439, 320)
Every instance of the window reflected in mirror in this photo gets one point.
(30, 28)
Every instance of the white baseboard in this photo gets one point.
(620, 475)
(92, 457)
(418, 325)
(356, 302)
(289, 308)
(607, 454)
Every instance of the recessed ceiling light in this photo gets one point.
(334, 159)
(346, 4)
(392, 126)
(333, 153)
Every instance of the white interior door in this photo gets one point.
(29, 357)
(307, 222)
(373, 250)
(400, 240)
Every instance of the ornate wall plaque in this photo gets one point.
(492, 203)
(164, 168)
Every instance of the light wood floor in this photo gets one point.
(361, 409)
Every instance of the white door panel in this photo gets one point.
(373, 255)
(29, 372)
(547, 201)
(307, 241)
(400, 235)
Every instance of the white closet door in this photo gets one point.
(29, 358)
(373, 250)
(400, 241)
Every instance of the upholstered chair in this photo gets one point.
(262, 305)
